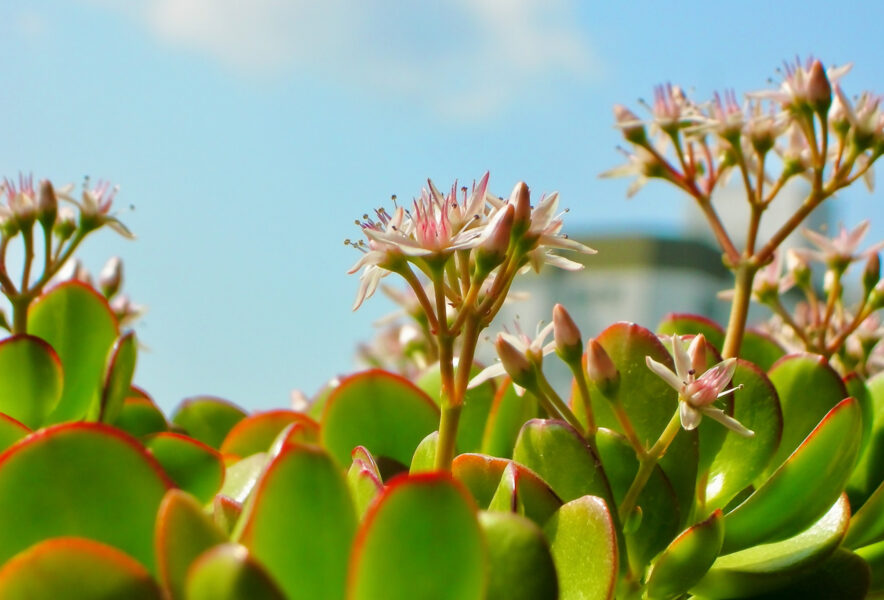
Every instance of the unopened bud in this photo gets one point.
(521, 201)
(515, 363)
(601, 369)
(697, 351)
(493, 250)
(632, 127)
(569, 345)
(876, 297)
(819, 91)
(111, 277)
(872, 273)
(66, 223)
(47, 205)
(798, 267)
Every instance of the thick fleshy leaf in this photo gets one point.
(523, 492)
(70, 480)
(474, 415)
(869, 471)
(557, 453)
(421, 539)
(480, 474)
(365, 483)
(31, 379)
(183, 532)
(760, 349)
(225, 513)
(242, 476)
(140, 417)
(78, 323)
(75, 569)
(660, 516)
(208, 419)
(856, 387)
(520, 565)
(843, 575)
(874, 557)
(769, 566)
(424, 458)
(740, 460)
(686, 559)
(257, 432)
(11, 431)
(584, 549)
(867, 524)
(689, 324)
(193, 466)
(649, 402)
(508, 413)
(816, 473)
(808, 388)
(381, 411)
(300, 522)
(228, 572)
(117, 378)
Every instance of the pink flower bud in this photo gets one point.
(111, 277)
(601, 369)
(819, 91)
(493, 250)
(697, 351)
(569, 344)
(515, 363)
(632, 127)
(872, 273)
(47, 204)
(521, 201)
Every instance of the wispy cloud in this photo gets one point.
(463, 58)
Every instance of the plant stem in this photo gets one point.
(583, 389)
(646, 465)
(555, 400)
(736, 326)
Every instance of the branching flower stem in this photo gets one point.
(646, 463)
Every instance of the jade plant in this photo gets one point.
(692, 460)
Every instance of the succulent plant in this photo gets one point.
(691, 461)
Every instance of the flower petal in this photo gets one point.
(665, 374)
(689, 416)
(726, 420)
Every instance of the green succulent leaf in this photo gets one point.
(508, 413)
(257, 432)
(78, 323)
(523, 492)
(557, 453)
(11, 431)
(193, 466)
(519, 559)
(229, 572)
(869, 471)
(300, 522)
(584, 548)
(760, 349)
(476, 406)
(421, 539)
(207, 419)
(183, 532)
(686, 559)
(867, 524)
(364, 480)
(225, 513)
(424, 458)
(139, 416)
(815, 473)
(843, 575)
(379, 410)
(740, 460)
(660, 515)
(769, 566)
(873, 554)
(117, 379)
(75, 569)
(690, 324)
(480, 474)
(31, 379)
(808, 388)
(649, 402)
(242, 476)
(84, 480)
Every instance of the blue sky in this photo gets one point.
(249, 135)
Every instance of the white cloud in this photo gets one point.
(463, 58)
